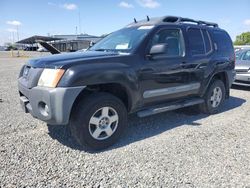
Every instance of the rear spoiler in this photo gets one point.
(48, 47)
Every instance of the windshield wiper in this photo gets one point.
(101, 50)
(105, 50)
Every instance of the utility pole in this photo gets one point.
(17, 33)
(79, 19)
(17, 40)
(13, 37)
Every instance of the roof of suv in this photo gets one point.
(171, 20)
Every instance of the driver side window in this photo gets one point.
(173, 39)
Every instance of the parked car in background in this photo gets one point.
(241, 47)
(31, 48)
(8, 48)
(242, 68)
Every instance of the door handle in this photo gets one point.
(183, 64)
(221, 63)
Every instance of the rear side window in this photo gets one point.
(207, 40)
(223, 42)
(196, 44)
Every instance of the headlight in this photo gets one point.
(50, 77)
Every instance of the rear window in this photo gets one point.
(223, 42)
(196, 43)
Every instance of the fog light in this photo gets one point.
(43, 108)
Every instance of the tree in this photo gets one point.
(243, 39)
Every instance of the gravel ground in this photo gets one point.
(174, 149)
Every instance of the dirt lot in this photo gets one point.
(174, 149)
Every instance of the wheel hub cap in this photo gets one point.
(103, 123)
(216, 97)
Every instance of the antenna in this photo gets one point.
(135, 20)
(148, 18)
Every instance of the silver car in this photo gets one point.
(242, 67)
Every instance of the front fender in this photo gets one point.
(106, 73)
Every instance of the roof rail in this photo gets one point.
(174, 19)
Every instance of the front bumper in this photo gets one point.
(52, 105)
(242, 79)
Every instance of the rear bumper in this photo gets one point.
(52, 105)
(242, 79)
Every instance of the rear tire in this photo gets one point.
(98, 121)
(214, 97)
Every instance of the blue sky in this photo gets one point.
(40, 17)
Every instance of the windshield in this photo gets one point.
(124, 40)
(238, 55)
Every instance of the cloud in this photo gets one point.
(149, 3)
(69, 6)
(11, 30)
(14, 22)
(51, 4)
(124, 4)
(247, 22)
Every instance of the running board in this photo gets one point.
(169, 107)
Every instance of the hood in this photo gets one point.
(242, 65)
(66, 59)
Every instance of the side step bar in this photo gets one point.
(169, 107)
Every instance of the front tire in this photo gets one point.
(98, 121)
(214, 97)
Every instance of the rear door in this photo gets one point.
(199, 55)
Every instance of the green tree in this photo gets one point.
(243, 39)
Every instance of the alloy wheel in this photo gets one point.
(103, 123)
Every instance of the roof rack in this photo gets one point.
(174, 19)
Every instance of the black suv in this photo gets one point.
(148, 67)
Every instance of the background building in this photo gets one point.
(64, 43)
(74, 42)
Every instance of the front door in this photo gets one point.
(166, 77)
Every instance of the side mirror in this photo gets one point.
(158, 49)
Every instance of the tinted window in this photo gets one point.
(196, 44)
(223, 42)
(207, 40)
(173, 39)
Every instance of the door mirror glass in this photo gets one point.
(158, 49)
